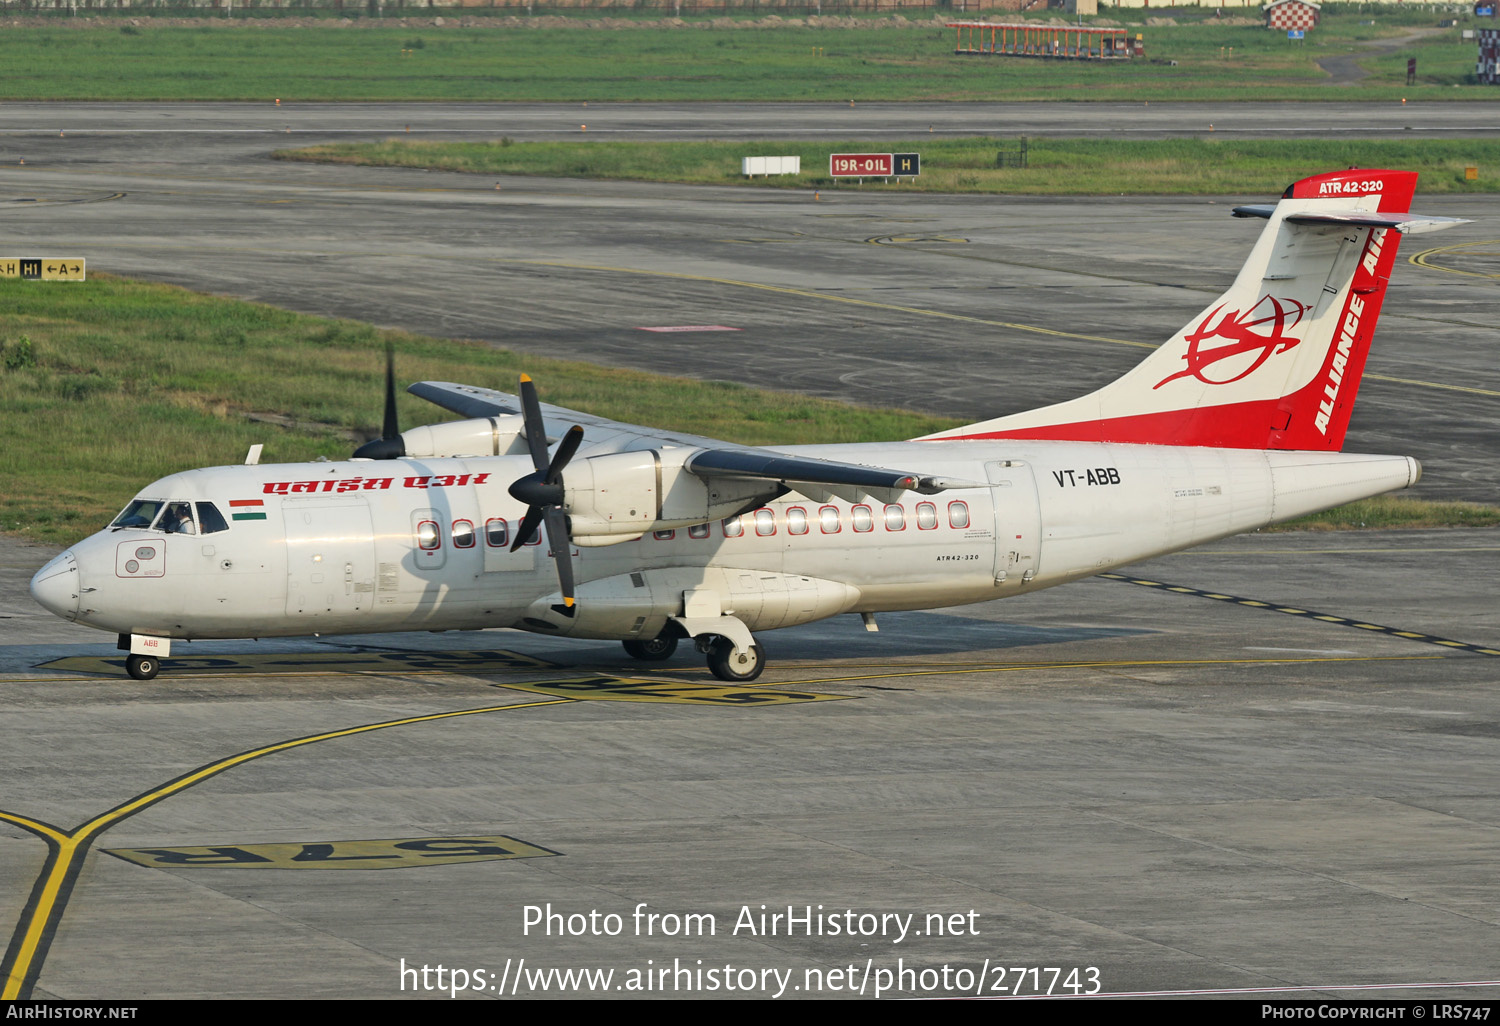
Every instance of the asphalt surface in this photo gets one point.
(1181, 792)
(1261, 768)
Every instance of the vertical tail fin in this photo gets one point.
(1275, 362)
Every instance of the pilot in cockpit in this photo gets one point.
(178, 519)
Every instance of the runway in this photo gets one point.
(1260, 768)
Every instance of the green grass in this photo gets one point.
(127, 382)
(118, 383)
(1056, 166)
(255, 61)
(1396, 511)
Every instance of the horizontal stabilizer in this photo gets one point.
(1406, 224)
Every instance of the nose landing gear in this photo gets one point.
(144, 661)
(143, 667)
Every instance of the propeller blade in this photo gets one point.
(390, 429)
(531, 417)
(527, 528)
(565, 450)
(389, 445)
(562, 552)
(543, 491)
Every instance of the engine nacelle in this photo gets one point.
(628, 493)
(478, 436)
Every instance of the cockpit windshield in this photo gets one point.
(139, 513)
(171, 517)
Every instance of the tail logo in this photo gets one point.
(1249, 340)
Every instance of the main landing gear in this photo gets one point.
(726, 664)
(654, 651)
(733, 655)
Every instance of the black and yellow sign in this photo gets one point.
(644, 689)
(43, 268)
(401, 661)
(906, 164)
(398, 853)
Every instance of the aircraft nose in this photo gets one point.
(55, 586)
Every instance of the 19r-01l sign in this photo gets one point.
(861, 165)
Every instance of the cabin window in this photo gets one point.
(664, 535)
(958, 514)
(796, 520)
(864, 519)
(734, 527)
(210, 519)
(496, 533)
(828, 518)
(429, 539)
(463, 534)
(698, 531)
(895, 518)
(139, 513)
(926, 516)
(765, 523)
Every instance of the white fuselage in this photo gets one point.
(424, 544)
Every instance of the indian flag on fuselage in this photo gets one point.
(247, 509)
(1275, 362)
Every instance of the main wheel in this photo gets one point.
(654, 650)
(727, 666)
(143, 667)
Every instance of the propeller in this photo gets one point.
(542, 491)
(389, 446)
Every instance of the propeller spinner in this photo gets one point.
(542, 491)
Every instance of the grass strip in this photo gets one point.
(108, 384)
(1055, 166)
(708, 61)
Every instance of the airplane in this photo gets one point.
(538, 518)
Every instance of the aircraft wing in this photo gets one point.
(716, 459)
(751, 464)
(466, 400)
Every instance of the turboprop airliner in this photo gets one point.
(533, 517)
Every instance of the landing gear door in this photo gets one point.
(1018, 523)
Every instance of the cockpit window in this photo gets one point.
(210, 519)
(139, 513)
(177, 518)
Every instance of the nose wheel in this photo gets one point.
(143, 667)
